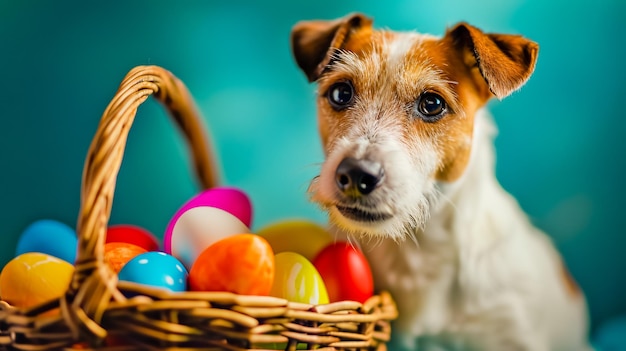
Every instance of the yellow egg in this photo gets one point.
(33, 278)
(297, 280)
(300, 236)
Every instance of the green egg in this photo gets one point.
(278, 346)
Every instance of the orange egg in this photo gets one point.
(116, 254)
(111, 341)
(242, 264)
(33, 278)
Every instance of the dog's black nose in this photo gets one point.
(360, 175)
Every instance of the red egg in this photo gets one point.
(345, 272)
(241, 264)
(132, 234)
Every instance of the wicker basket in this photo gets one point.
(95, 312)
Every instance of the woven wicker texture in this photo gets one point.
(100, 312)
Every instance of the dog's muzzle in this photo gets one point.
(356, 179)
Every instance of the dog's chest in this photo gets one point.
(423, 279)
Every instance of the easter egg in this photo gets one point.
(132, 234)
(228, 199)
(611, 334)
(116, 254)
(300, 236)
(345, 272)
(297, 280)
(33, 278)
(241, 264)
(50, 237)
(155, 269)
(200, 227)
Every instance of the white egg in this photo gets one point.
(198, 228)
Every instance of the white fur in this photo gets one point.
(482, 277)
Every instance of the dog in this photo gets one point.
(409, 176)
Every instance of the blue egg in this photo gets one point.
(611, 335)
(49, 237)
(156, 269)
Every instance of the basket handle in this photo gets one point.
(93, 284)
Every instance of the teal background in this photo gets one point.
(560, 147)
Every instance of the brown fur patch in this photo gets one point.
(570, 283)
(456, 129)
(464, 67)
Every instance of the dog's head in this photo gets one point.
(396, 113)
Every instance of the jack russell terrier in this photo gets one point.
(409, 154)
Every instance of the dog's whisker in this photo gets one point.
(314, 164)
(450, 82)
(351, 240)
(412, 234)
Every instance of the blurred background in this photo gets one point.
(559, 148)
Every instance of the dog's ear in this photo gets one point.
(505, 61)
(315, 42)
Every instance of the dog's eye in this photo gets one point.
(340, 95)
(431, 107)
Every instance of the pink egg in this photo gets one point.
(229, 199)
